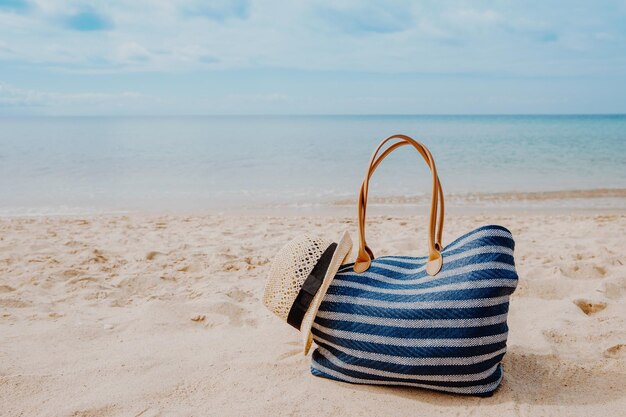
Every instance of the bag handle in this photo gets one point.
(440, 215)
(365, 255)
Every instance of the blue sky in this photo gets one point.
(156, 57)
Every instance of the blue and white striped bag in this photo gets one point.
(436, 322)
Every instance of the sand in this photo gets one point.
(146, 315)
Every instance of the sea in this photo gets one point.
(76, 165)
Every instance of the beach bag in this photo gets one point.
(436, 322)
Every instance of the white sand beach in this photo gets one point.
(146, 315)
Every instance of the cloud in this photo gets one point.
(132, 52)
(219, 10)
(547, 36)
(366, 17)
(535, 29)
(196, 54)
(476, 17)
(14, 5)
(323, 35)
(309, 56)
(11, 96)
(603, 36)
(4, 48)
(87, 21)
(258, 98)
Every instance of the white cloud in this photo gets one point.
(364, 17)
(132, 52)
(603, 36)
(5, 49)
(219, 10)
(473, 17)
(347, 35)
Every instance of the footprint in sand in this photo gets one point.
(226, 254)
(192, 267)
(615, 351)
(289, 354)
(230, 266)
(239, 295)
(198, 318)
(614, 290)
(590, 307)
(237, 316)
(247, 263)
(254, 261)
(98, 257)
(72, 273)
(153, 254)
(6, 288)
(14, 303)
(95, 412)
(585, 271)
(82, 280)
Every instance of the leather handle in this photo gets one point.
(365, 254)
(363, 199)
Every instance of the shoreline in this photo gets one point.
(584, 201)
(327, 213)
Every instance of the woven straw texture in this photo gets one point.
(290, 268)
(397, 325)
(341, 253)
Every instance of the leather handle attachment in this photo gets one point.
(365, 254)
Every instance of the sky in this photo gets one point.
(192, 57)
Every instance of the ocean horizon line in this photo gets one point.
(311, 115)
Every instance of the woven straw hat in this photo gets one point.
(300, 262)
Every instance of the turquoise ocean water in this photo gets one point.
(69, 165)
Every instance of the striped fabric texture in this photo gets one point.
(396, 325)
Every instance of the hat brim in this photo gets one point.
(341, 252)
